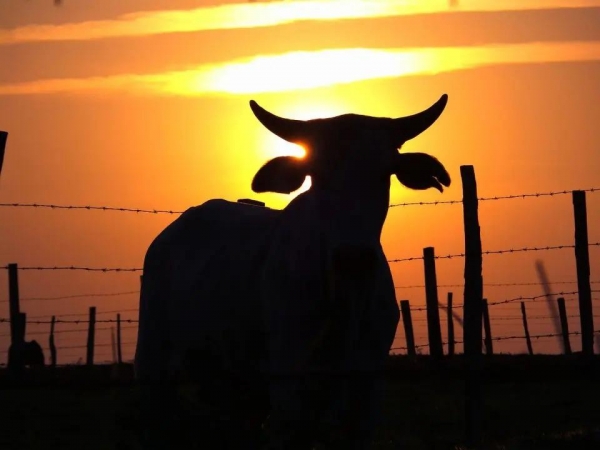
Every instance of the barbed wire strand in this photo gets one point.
(496, 252)
(537, 283)
(504, 338)
(169, 211)
(413, 258)
(72, 330)
(38, 322)
(512, 300)
(117, 311)
(114, 294)
(497, 197)
(90, 208)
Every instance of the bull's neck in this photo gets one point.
(355, 213)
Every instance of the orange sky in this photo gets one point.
(124, 103)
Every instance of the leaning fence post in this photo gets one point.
(51, 343)
(582, 257)
(526, 328)
(473, 295)
(564, 324)
(3, 138)
(450, 326)
(489, 349)
(91, 336)
(408, 328)
(119, 353)
(434, 333)
(13, 299)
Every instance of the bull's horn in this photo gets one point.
(405, 128)
(291, 130)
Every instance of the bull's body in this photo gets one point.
(246, 284)
(200, 286)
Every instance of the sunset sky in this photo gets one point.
(144, 104)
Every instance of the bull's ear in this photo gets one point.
(283, 174)
(421, 171)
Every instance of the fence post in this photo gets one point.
(489, 349)
(526, 328)
(91, 336)
(113, 345)
(408, 328)
(562, 311)
(22, 321)
(473, 295)
(51, 343)
(436, 350)
(13, 299)
(119, 352)
(583, 273)
(450, 319)
(3, 138)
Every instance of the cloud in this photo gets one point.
(259, 14)
(307, 70)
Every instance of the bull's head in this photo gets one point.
(361, 147)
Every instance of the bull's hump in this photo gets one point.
(221, 209)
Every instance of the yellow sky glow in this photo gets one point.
(306, 70)
(259, 14)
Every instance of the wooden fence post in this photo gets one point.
(119, 352)
(526, 328)
(51, 343)
(91, 336)
(113, 345)
(408, 328)
(582, 257)
(489, 349)
(3, 138)
(436, 350)
(450, 319)
(473, 295)
(13, 299)
(564, 323)
(22, 321)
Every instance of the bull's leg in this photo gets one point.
(229, 407)
(293, 422)
(355, 406)
(157, 406)
(157, 385)
(360, 413)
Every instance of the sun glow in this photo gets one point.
(295, 71)
(305, 70)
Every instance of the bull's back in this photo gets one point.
(200, 279)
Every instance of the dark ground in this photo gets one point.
(539, 402)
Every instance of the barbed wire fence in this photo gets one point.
(60, 320)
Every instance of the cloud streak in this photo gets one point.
(307, 70)
(253, 15)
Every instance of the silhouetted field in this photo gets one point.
(539, 402)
